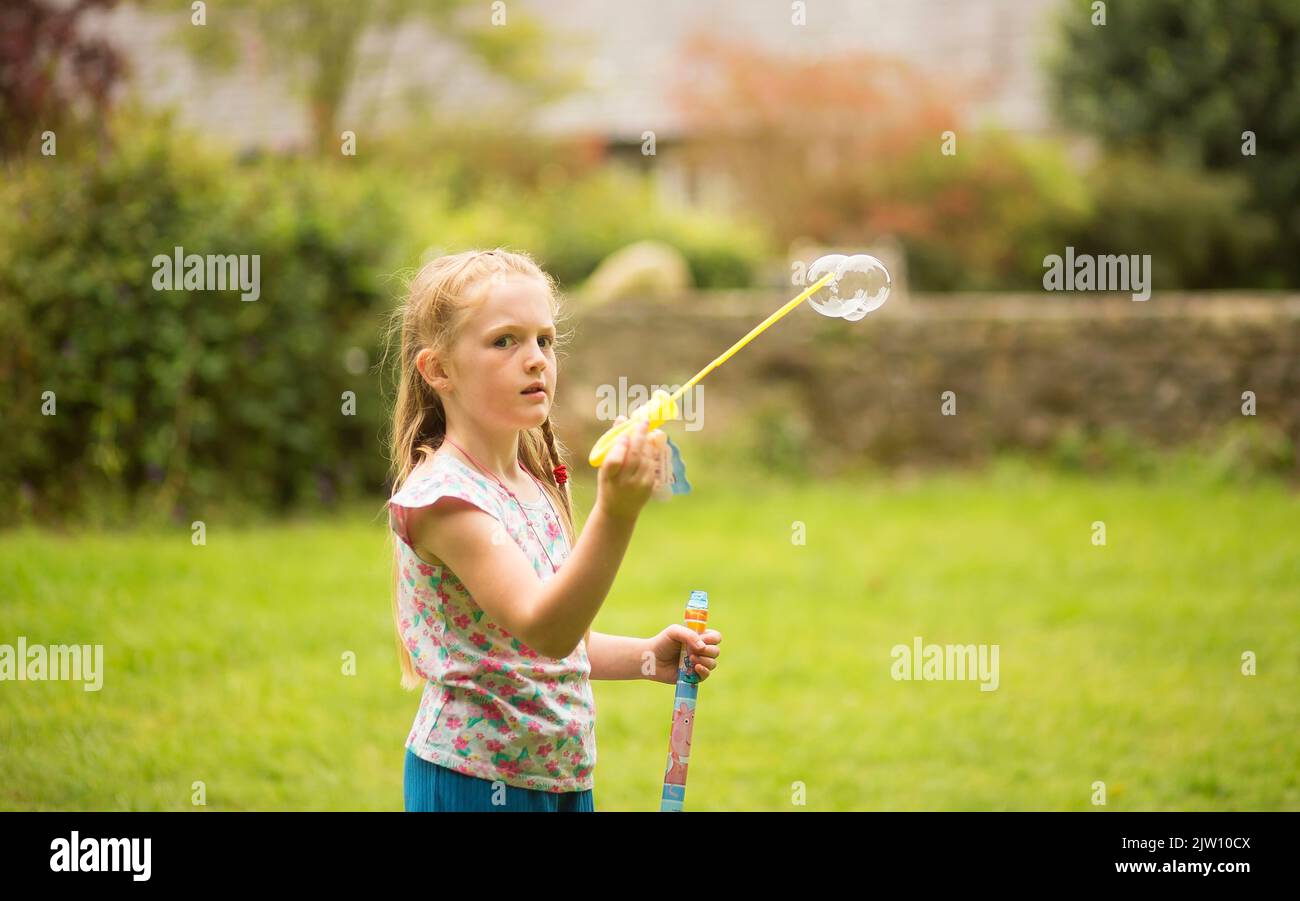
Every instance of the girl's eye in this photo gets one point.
(547, 338)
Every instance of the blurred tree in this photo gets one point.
(1185, 80)
(317, 44)
(794, 136)
(50, 73)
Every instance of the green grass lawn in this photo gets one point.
(1119, 664)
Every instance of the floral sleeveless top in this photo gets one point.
(492, 707)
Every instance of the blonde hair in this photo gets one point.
(438, 301)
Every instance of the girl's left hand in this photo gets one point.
(667, 648)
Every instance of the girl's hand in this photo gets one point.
(667, 648)
(627, 474)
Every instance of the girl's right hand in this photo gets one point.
(627, 474)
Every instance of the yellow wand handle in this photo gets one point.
(663, 406)
(659, 408)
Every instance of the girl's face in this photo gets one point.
(506, 346)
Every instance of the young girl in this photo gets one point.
(494, 602)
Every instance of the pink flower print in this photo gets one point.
(493, 745)
(573, 728)
(544, 750)
(552, 530)
(461, 743)
(491, 665)
(478, 638)
(425, 569)
(533, 726)
(454, 722)
(461, 621)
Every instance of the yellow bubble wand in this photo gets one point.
(662, 406)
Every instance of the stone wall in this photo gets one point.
(1025, 369)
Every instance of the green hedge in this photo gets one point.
(170, 400)
(1197, 225)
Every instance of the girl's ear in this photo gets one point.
(432, 370)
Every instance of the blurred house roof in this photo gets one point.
(629, 53)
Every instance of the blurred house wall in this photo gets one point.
(630, 54)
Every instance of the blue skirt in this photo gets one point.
(428, 787)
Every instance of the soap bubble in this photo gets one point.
(861, 284)
(864, 284)
(825, 300)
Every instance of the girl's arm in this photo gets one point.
(550, 617)
(617, 656)
(624, 657)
